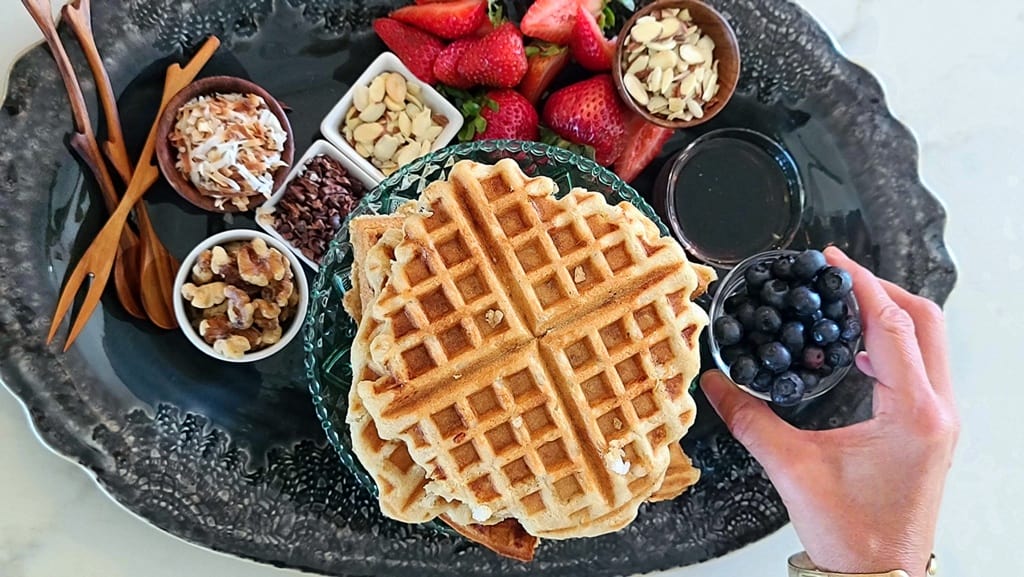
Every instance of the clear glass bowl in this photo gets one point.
(733, 283)
(329, 330)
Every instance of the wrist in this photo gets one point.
(801, 565)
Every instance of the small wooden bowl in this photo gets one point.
(727, 52)
(167, 155)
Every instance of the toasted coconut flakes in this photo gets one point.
(229, 146)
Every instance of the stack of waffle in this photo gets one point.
(522, 362)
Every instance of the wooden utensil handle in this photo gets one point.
(78, 16)
(41, 11)
(90, 155)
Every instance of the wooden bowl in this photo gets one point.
(727, 52)
(167, 155)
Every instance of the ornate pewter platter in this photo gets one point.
(233, 457)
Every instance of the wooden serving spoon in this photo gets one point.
(126, 270)
(158, 266)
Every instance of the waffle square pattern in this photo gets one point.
(523, 357)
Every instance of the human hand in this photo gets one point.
(864, 498)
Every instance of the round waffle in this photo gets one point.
(533, 354)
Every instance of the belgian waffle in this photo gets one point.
(533, 354)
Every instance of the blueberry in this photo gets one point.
(774, 357)
(838, 355)
(792, 336)
(810, 379)
(773, 293)
(758, 274)
(744, 370)
(813, 358)
(835, 310)
(825, 371)
(763, 381)
(834, 283)
(788, 389)
(808, 263)
(727, 331)
(803, 300)
(745, 314)
(849, 329)
(733, 302)
(767, 320)
(730, 354)
(783, 267)
(811, 318)
(713, 287)
(825, 331)
(758, 338)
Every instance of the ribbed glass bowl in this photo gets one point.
(329, 330)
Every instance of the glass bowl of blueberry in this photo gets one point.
(785, 325)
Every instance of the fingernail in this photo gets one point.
(863, 362)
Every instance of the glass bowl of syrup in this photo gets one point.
(731, 193)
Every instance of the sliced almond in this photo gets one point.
(688, 86)
(433, 132)
(676, 104)
(367, 133)
(639, 64)
(363, 150)
(657, 104)
(412, 88)
(669, 27)
(659, 45)
(373, 112)
(377, 89)
(385, 148)
(393, 105)
(426, 147)
(654, 80)
(645, 29)
(666, 82)
(684, 15)
(664, 59)
(710, 86)
(695, 108)
(395, 87)
(421, 122)
(635, 88)
(361, 98)
(407, 154)
(404, 123)
(690, 54)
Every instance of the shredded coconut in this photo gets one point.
(229, 146)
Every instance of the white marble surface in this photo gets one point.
(952, 72)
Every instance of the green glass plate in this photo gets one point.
(329, 330)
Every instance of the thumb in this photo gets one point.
(768, 438)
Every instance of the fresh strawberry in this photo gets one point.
(550, 20)
(505, 114)
(449, 20)
(644, 141)
(433, 1)
(590, 113)
(446, 67)
(544, 63)
(588, 45)
(497, 60)
(415, 48)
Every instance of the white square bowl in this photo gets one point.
(388, 62)
(319, 147)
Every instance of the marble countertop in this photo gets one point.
(952, 76)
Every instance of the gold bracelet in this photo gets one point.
(800, 566)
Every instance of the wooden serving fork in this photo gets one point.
(158, 266)
(99, 257)
(126, 274)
